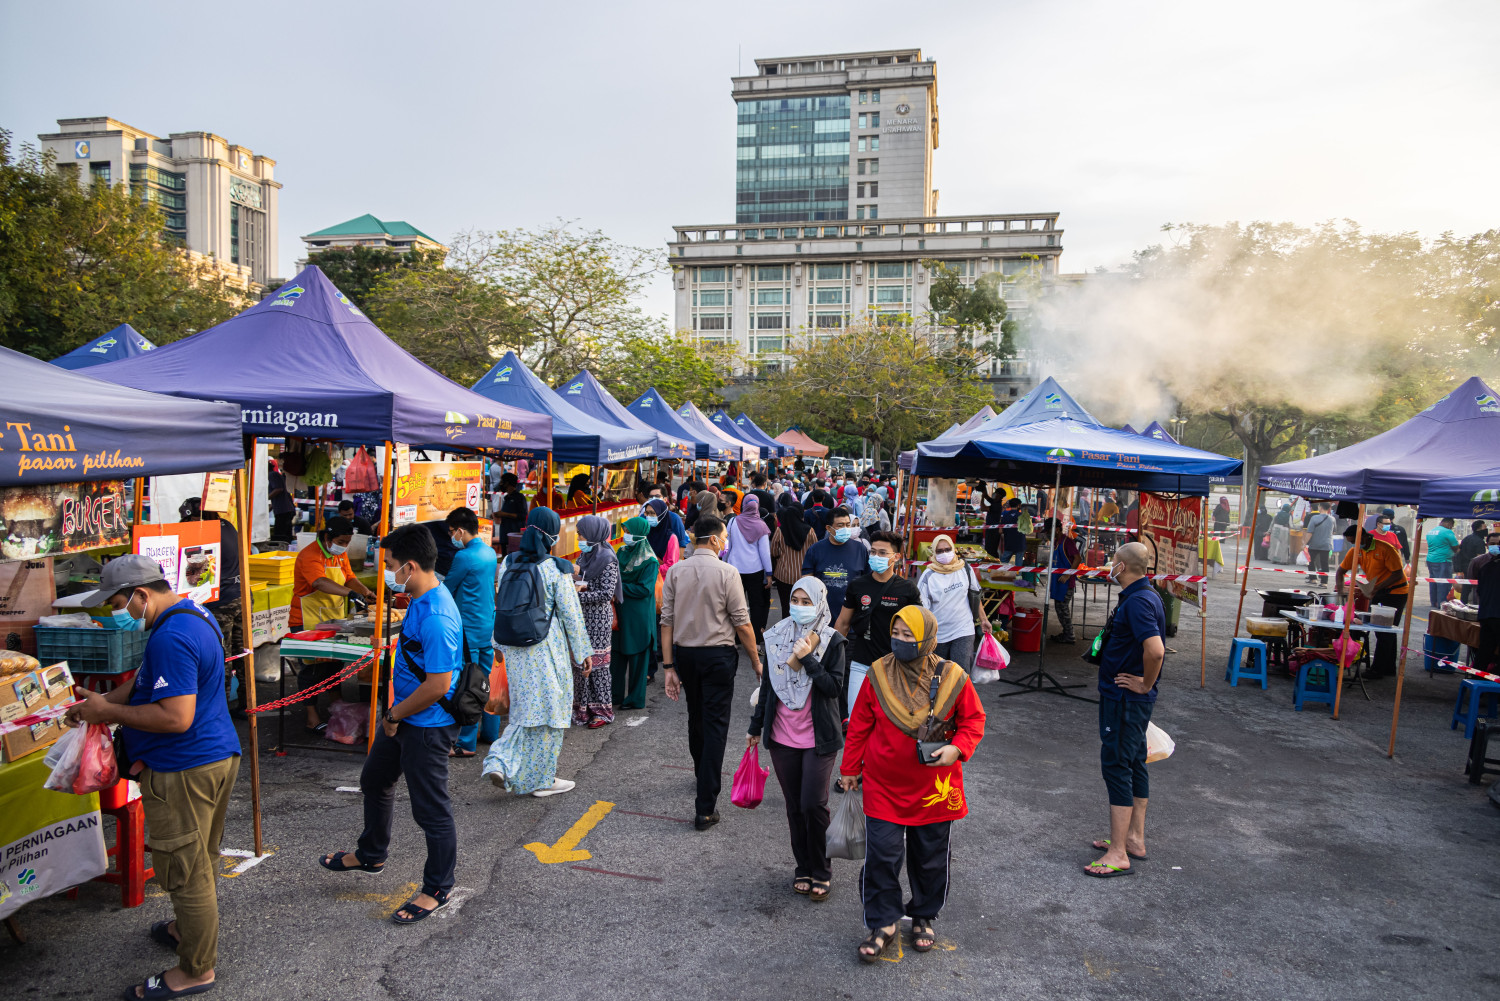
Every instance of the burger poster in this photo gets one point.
(54, 519)
(188, 553)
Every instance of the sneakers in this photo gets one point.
(497, 779)
(557, 786)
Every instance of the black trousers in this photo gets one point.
(281, 527)
(1383, 662)
(784, 595)
(927, 855)
(707, 675)
(1317, 564)
(421, 754)
(1488, 654)
(758, 597)
(804, 774)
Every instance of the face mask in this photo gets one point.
(585, 547)
(338, 550)
(458, 541)
(905, 650)
(842, 534)
(1114, 571)
(880, 564)
(129, 623)
(945, 557)
(652, 520)
(628, 539)
(803, 615)
(1495, 550)
(390, 582)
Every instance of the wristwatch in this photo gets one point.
(389, 718)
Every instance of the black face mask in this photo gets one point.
(905, 650)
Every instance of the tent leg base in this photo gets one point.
(1040, 681)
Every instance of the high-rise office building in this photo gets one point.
(218, 199)
(846, 136)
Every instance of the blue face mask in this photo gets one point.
(652, 520)
(390, 582)
(627, 539)
(1495, 550)
(129, 623)
(803, 615)
(585, 547)
(880, 564)
(843, 534)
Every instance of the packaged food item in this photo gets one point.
(15, 662)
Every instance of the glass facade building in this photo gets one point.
(792, 159)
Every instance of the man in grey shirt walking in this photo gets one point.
(1319, 525)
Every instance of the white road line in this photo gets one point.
(636, 720)
(346, 788)
(251, 860)
(456, 898)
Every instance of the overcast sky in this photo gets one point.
(488, 115)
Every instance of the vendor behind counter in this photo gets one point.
(323, 578)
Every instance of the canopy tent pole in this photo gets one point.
(140, 496)
(1411, 601)
(1359, 534)
(247, 673)
(1203, 591)
(384, 527)
(596, 486)
(547, 483)
(1245, 579)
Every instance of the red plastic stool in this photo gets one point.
(129, 852)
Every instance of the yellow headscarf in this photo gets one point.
(958, 561)
(903, 687)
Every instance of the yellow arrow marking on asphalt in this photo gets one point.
(566, 849)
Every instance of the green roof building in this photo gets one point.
(368, 231)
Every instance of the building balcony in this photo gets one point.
(1004, 235)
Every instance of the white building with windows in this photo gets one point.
(218, 199)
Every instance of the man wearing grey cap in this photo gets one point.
(184, 752)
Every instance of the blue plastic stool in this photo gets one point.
(1315, 683)
(1476, 691)
(1235, 670)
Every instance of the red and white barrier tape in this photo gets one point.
(1306, 573)
(1487, 676)
(1092, 572)
(44, 715)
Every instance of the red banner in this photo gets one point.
(1170, 529)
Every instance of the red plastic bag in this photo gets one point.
(97, 770)
(360, 477)
(346, 721)
(991, 655)
(749, 780)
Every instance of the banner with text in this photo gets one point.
(1169, 528)
(53, 519)
(432, 489)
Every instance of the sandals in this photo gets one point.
(461, 752)
(415, 913)
(334, 862)
(802, 885)
(922, 935)
(880, 940)
(1114, 871)
(1102, 844)
(156, 989)
(161, 934)
(821, 890)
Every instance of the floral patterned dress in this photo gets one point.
(541, 690)
(592, 705)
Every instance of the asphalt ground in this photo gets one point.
(1289, 858)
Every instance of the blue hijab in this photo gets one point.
(542, 528)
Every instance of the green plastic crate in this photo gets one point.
(91, 651)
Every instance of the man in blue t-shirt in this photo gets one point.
(416, 734)
(184, 750)
(838, 558)
(471, 580)
(1130, 663)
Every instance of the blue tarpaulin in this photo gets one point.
(576, 436)
(584, 392)
(696, 419)
(725, 424)
(122, 342)
(752, 432)
(1046, 401)
(1457, 436)
(652, 409)
(58, 426)
(304, 361)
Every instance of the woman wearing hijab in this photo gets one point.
(631, 656)
(579, 494)
(950, 591)
(1281, 535)
(706, 502)
(873, 518)
(749, 553)
(798, 710)
(909, 806)
(665, 532)
(1222, 514)
(788, 545)
(598, 581)
(524, 759)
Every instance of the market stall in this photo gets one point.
(751, 432)
(1450, 445)
(801, 444)
(698, 421)
(68, 442)
(584, 392)
(121, 342)
(725, 425)
(651, 408)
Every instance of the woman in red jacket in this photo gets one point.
(909, 806)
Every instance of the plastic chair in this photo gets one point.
(1315, 683)
(1235, 670)
(1477, 692)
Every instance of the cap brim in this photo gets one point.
(94, 598)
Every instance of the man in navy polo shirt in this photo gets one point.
(416, 734)
(185, 756)
(1129, 666)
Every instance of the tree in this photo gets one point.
(77, 261)
(356, 271)
(891, 384)
(970, 310)
(676, 364)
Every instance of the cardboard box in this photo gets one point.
(29, 693)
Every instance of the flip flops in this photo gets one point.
(1102, 845)
(156, 989)
(161, 934)
(1113, 870)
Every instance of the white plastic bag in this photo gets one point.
(1159, 746)
(846, 829)
(63, 759)
(984, 675)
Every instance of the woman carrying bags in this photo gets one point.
(950, 591)
(597, 578)
(631, 654)
(916, 718)
(798, 709)
(749, 553)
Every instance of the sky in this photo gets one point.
(487, 115)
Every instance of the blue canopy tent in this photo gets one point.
(729, 429)
(907, 460)
(1473, 496)
(584, 392)
(750, 431)
(1128, 429)
(576, 436)
(652, 409)
(1047, 400)
(304, 361)
(122, 342)
(58, 426)
(694, 418)
(1155, 431)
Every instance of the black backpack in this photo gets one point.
(521, 616)
(472, 693)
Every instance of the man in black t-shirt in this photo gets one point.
(869, 603)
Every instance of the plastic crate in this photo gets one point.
(91, 651)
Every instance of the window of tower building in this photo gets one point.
(794, 152)
(832, 272)
(99, 172)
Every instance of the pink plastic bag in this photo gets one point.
(1348, 652)
(749, 780)
(97, 770)
(346, 721)
(991, 655)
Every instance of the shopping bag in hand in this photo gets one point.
(749, 780)
(96, 764)
(989, 661)
(63, 760)
(846, 829)
(1158, 745)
